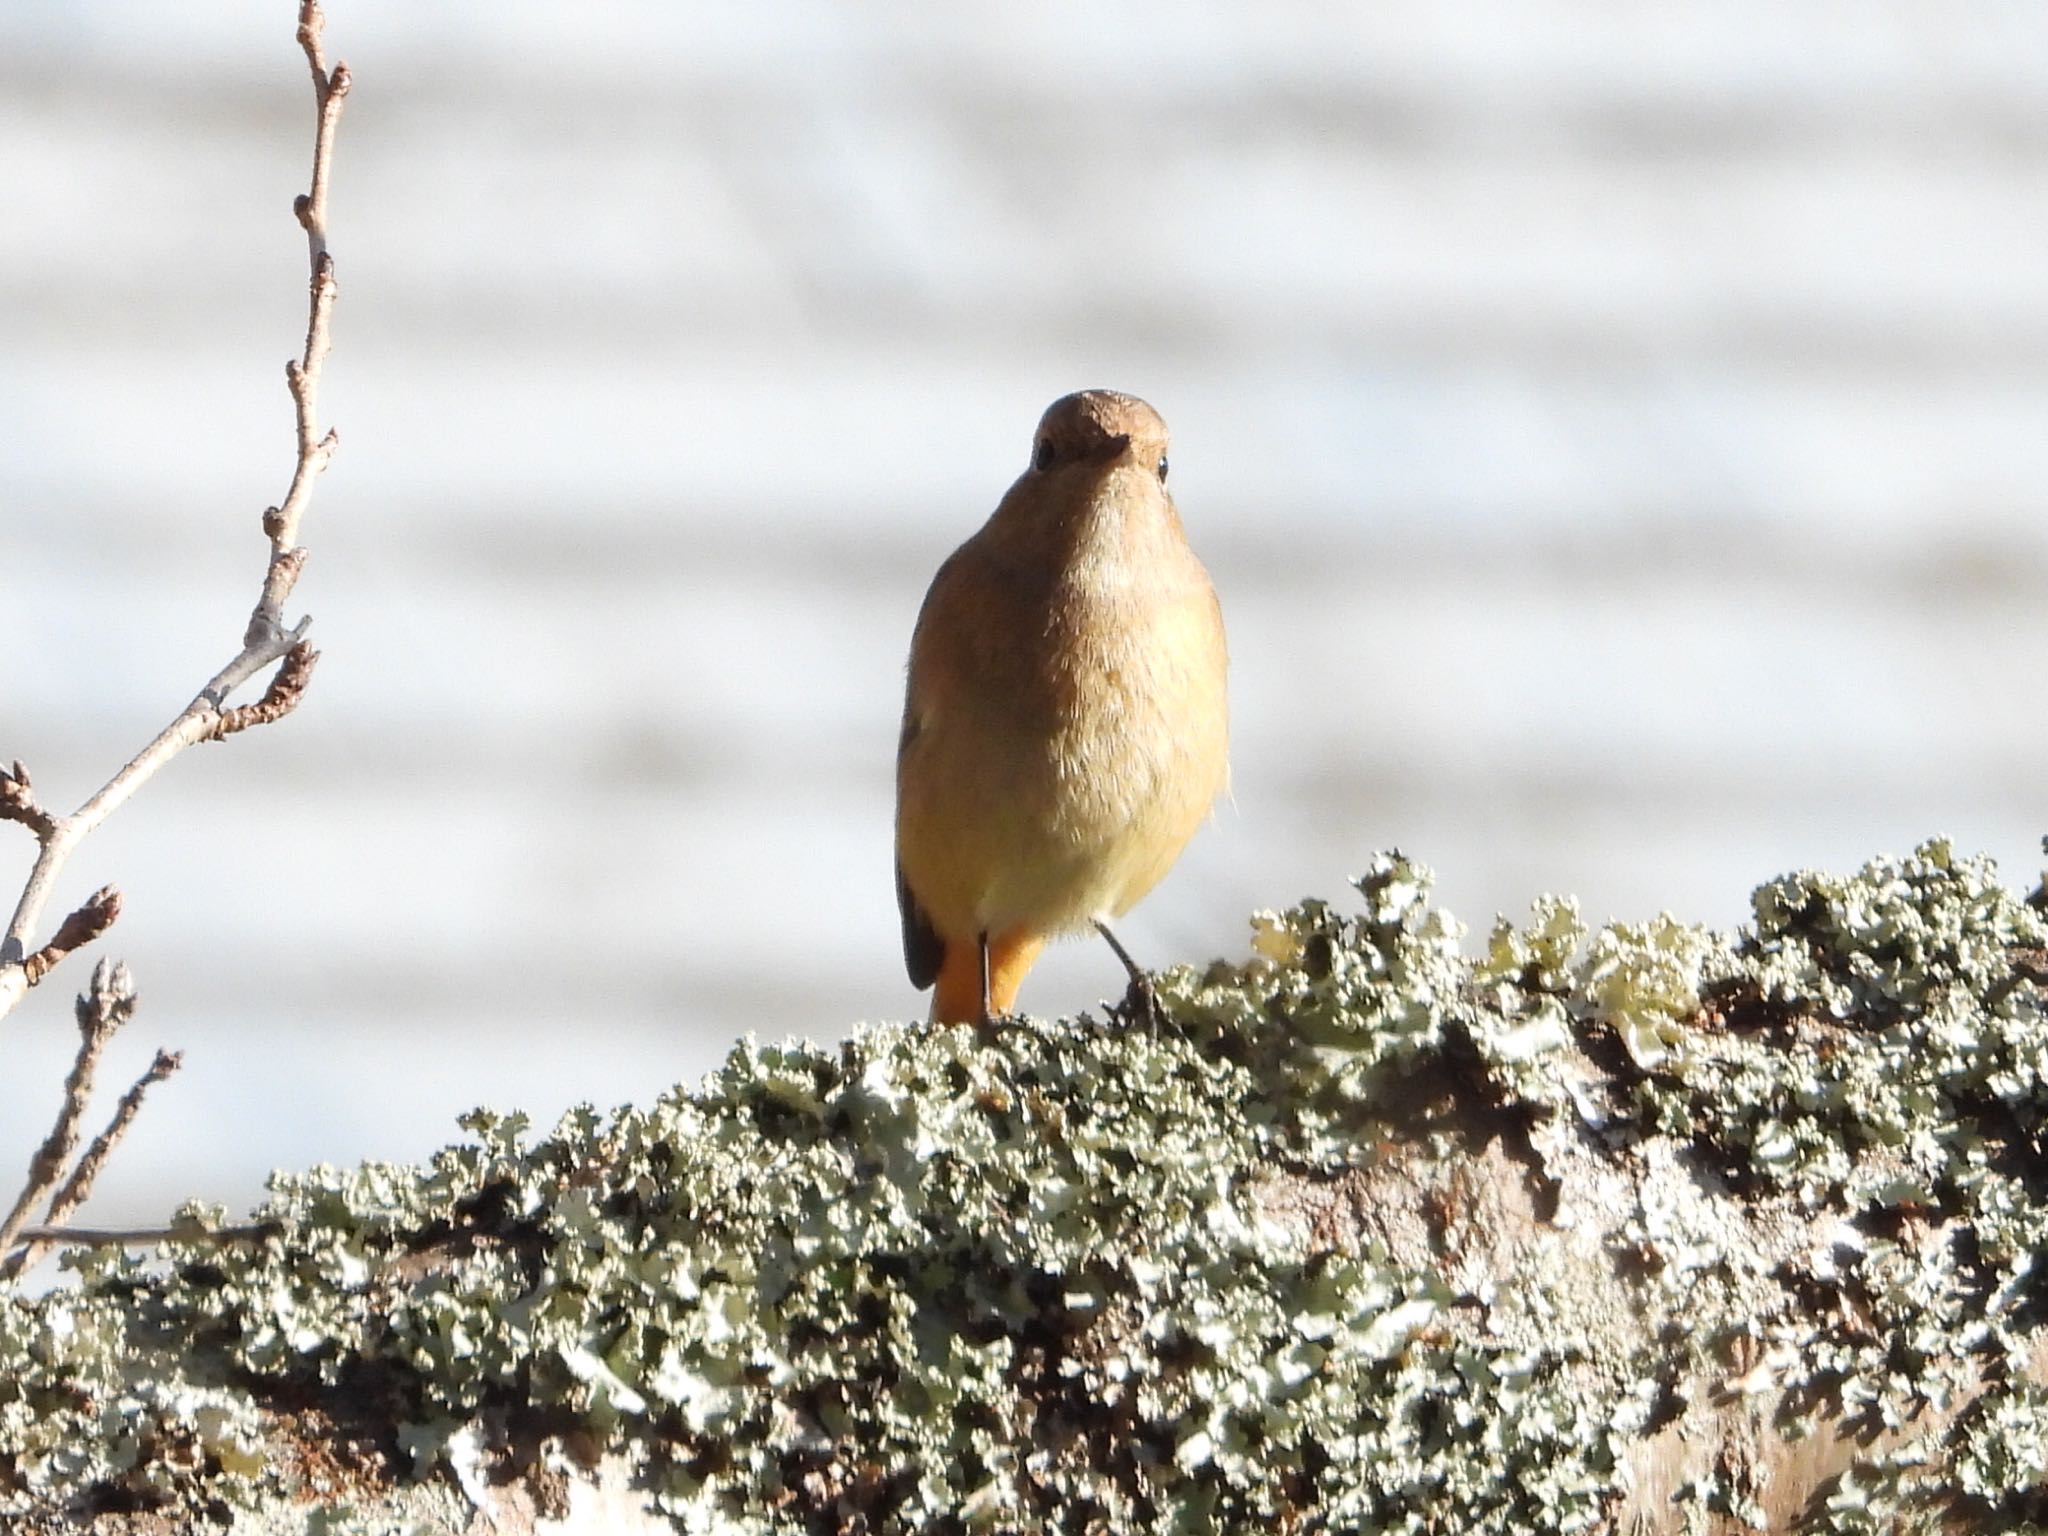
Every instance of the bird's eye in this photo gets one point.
(1162, 469)
(1041, 456)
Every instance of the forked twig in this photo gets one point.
(110, 1000)
(287, 687)
(266, 639)
(85, 1173)
(102, 1010)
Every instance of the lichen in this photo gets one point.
(1093, 1275)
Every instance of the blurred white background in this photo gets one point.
(1617, 434)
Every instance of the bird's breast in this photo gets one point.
(1136, 696)
(1056, 764)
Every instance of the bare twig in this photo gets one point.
(75, 932)
(302, 374)
(129, 1237)
(287, 687)
(85, 1173)
(102, 1009)
(266, 639)
(18, 802)
(78, 1188)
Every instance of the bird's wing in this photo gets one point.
(923, 950)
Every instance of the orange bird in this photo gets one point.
(1065, 728)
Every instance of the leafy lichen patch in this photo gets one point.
(1375, 1234)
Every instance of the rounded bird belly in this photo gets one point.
(1113, 798)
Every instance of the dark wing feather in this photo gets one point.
(923, 949)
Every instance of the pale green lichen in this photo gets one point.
(1643, 981)
(937, 1280)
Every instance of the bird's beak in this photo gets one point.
(1112, 449)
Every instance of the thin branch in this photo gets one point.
(328, 91)
(302, 374)
(102, 1010)
(75, 932)
(18, 802)
(286, 688)
(131, 1237)
(194, 723)
(85, 1173)
(266, 640)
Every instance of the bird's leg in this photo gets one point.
(986, 1018)
(1006, 957)
(1141, 1000)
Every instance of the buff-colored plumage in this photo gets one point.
(1065, 728)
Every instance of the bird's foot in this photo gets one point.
(990, 1025)
(1140, 1005)
(1141, 999)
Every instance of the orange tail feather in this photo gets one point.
(956, 999)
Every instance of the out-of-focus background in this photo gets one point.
(1619, 434)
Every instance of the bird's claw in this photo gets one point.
(990, 1025)
(1141, 1005)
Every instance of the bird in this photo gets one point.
(1065, 721)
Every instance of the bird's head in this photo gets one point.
(1099, 431)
